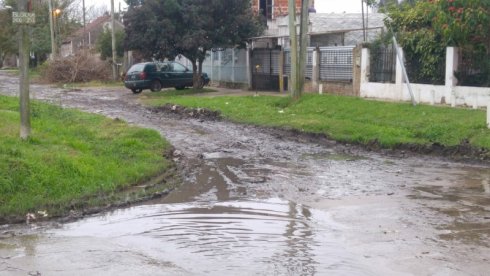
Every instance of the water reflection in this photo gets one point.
(239, 237)
(462, 208)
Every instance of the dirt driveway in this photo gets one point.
(261, 202)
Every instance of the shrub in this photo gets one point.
(82, 67)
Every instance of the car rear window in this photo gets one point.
(136, 68)
(150, 67)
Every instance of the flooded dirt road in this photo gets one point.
(259, 202)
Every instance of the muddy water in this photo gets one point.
(256, 202)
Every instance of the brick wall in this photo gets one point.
(280, 6)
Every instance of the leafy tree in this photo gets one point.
(165, 29)
(134, 3)
(8, 39)
(427, 27)
(104, 44)
(40, 32)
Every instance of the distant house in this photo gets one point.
(325, 29)
(272, 9)
(86, 38)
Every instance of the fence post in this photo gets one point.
(220, 60)
(315, 78)
(475, 100)
(249, 70)
(364, 69)
(212, 67)
(451, 81)
(488, 114)
(356, 70)
(233, 65)
(365, 65)
(281, 70)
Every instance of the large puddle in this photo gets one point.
(238, 217)
(272, 237)
(258, 203)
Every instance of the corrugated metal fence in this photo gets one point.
(229, 65)
(336, 63)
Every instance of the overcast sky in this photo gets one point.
(106, 3)
(328, 6)
(322, 6)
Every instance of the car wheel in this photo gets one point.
(180, 87)
(156, 86)
(136, 91)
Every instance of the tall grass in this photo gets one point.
(70, 158)
(351, 119)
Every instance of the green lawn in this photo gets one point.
(73, 159)
(350, 119)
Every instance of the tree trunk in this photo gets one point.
(195, 74)
(199, 72)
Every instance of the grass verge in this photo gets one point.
(174, 92)
(72, 160)
(351, 119)
(101, 84)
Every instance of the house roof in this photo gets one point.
(94, 25)
(325, 22)
(343, 31)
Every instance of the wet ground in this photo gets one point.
(259, 202)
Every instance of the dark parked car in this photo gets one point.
(157, 75)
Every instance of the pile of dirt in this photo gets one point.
(183, 112)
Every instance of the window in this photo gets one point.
(179, 67)
(265, 8)
(151, 67)
(136, 68)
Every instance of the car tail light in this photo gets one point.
(142, 75)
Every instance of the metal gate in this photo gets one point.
(336, 63)
(265, 69)
(383, 64)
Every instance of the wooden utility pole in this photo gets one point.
(293, 38)
(84, 25)
(114, 69)
(281, 70)
(363, 22)
(51, 29)
(303, 33)
(298, 58)
(24, 49)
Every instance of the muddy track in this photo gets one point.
(258, 201)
